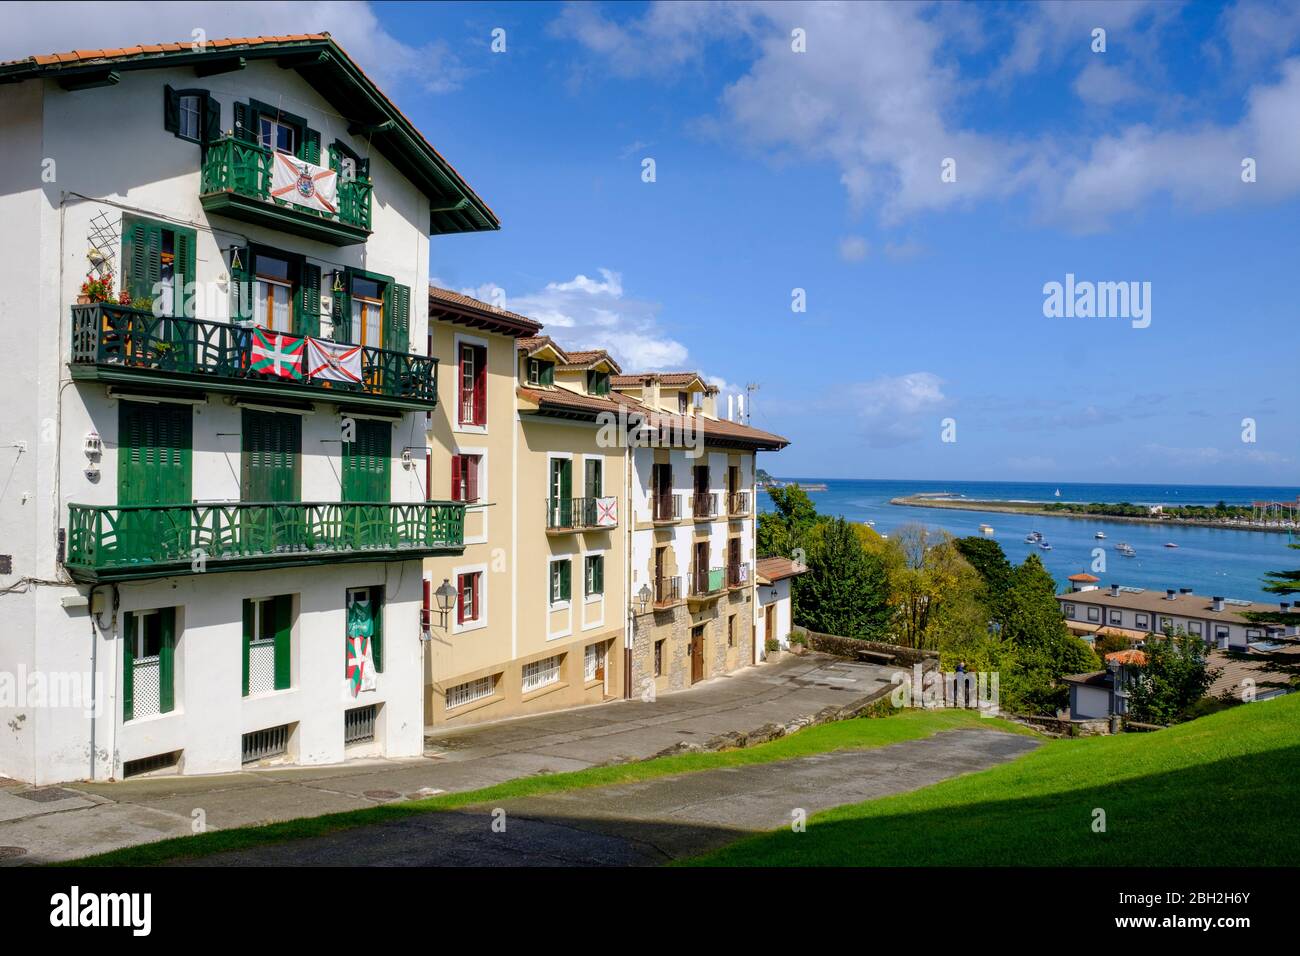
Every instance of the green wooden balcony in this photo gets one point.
(236, 182)
(112, 543)
(117, 344)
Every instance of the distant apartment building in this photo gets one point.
(213, 519)
(1137, 612)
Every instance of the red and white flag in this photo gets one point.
(333, 360)
(304, 184)
(274, 353)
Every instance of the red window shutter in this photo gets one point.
(428, 474)
(473, 590)
(426, 616)
(464, 388)
(455, 477)
(471, 477)
(480, 385)
(460, 598)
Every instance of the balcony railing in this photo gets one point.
(704, 505)
(738, 503)
(737, 574)
(577, 514)
(116, 341)
(107, 542)
(666, 507)
(707, 582)
(236, 182)
(668, 591)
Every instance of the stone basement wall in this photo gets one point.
(849, 646)
(674, 627)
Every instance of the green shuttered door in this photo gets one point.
(271, 455)
(366, 462)
(154, 454)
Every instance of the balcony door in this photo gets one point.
(661, 491)
(153, 468)
(272, 451)
(561, 491)
(157, 268)
(367, 461)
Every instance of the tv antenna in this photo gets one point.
(750, 389)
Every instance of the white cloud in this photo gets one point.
(854, 248)
(39, 28)
(879, 95)
(594, 313)
(895, 410)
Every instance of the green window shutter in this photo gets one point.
(306, 319)
(211, 120)
(343, 310)
(283, 629)
(154, 453)
(128, 666)
(566, 583)
(398, 338)
(309, 149)
(367, 462)
(245, 123)
(171, 110)
(377, 638)
(141, 256)
(271, 456)
(250, 610)
(183, 246)
(547, 376)
(599, 574)
(167, 661)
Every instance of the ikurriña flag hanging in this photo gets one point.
(275, 353)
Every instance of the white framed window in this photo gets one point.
(471, 610)
(1140, 620)
(561, 581)
(1116, 617)
(1069, 610)
(1094, 614)
(261, 647)
(273, 294)
(278, 136)
(1193, 627)
(542, 673)
(470, 691)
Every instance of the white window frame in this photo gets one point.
(1141, 621)
(484, 513)
(592, 655)
(481, 621)
(183, 113)
(551, 600)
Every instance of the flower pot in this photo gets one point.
(83, 300)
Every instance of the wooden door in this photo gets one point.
(769, 622)
(697, 653)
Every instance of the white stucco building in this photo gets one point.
(774, 619)
(213, 517)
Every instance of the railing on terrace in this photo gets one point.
(104, 334)
(125, 540)
(704, 505)
(738, 503)
(232, 165)
(566, 514)
(737, 574)
(668, 591)
(666, 507)
(707, 581)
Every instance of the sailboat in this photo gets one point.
(1058, 492)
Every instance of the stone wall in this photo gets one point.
(849, 646)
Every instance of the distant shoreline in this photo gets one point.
(1030, 508)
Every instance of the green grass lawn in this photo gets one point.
(1222, 790)
(859, 734)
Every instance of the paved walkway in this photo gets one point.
(60, 823)
(649, 822)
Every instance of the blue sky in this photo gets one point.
(820, 170)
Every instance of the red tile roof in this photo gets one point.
(455, 306)
(565, 400)
(776, 568)
(1085, 578)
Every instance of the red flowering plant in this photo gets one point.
(98, 288)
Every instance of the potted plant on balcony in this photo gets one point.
(96, 289)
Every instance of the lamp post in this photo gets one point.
(446, 596)
(643, 598)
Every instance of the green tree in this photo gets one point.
(1279, 582)
(787, 526)
(986, 556)
(934, 592)
(1175, 676)
(846, 590)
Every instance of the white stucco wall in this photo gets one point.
(783, 622)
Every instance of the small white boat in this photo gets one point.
(1170, 545)
(1100, 535)
(986, 528)
(1058, 492)
(1045, 546)
(1125, 549)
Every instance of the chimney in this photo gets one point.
(1217, 603)
(1170, 594)
(650, 391)
(710, 406)
(731, 408)
(740, 409)
(1114, 590)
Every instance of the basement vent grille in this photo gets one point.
(261, 744)
(134, 768)
(359, 725)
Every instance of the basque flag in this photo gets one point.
(274, 353)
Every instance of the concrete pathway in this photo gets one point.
(42, 824)
(649, 822)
